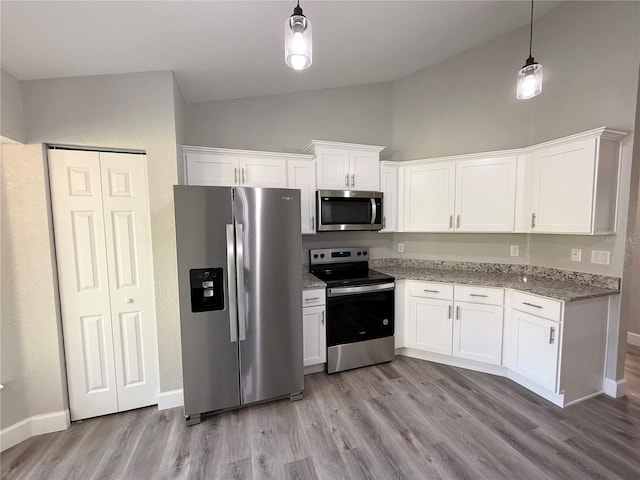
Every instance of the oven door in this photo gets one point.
(359, 313)
(349, 210)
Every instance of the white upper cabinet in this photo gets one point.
(346, 166)
(389, 188)
(302, 175)
(486, 194)
(575, 184)
(429, 197)
(226, 167)
(475, 195)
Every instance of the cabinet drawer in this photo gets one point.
(486, 295)
(312, 298)
(431, 290)
(539, 306)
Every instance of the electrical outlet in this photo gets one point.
(401, 248)
(515, 250)
(576, 254)
(601, 257)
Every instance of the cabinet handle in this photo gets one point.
(450, 222)
(346, 181)
(551, 335)
(431, 291)
(384, 221)
(353, 181)
(533, 220)
(243, 177)
(322, 317)
(531, 305)
(313, 222)
(458, 312)
(478, 295)
(235, 175)
(457, 221)
(450, 308)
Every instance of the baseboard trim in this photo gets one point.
(170, 399)
(633, 339)
(320, 367)
(615, 388)
(36, 425)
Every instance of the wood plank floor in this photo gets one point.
(406, 419)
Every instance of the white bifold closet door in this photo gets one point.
(103, 249)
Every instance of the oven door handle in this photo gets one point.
(340, 291)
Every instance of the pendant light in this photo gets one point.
(529, 76)
(298, 53)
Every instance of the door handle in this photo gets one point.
(128, 300)
(374, 211)
(231, 285)
(242, 314)
(353, 180)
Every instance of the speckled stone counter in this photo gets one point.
(309, 281)
(548, 282)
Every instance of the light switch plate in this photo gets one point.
(576, 254)
(515, 250)
(401, 248)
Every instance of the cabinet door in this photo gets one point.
(213, 169)
(332, 166)
(534, 346)
(430, 326)
(429, 197)
(389, 187)
(263, 172)
(563, 188)
(364, 167)
(486, 195)
(477, 332)
(302, 175)
(313, 327)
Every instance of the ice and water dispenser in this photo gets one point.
(207, 293)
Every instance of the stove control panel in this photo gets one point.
(338, 255)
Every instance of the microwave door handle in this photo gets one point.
(374, 210)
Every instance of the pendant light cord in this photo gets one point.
(530, 29)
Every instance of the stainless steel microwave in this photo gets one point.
(348, 210)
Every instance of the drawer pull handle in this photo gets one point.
(431, 291)
(531, 305)
(551, 335)
(478, 295)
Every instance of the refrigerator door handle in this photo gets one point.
(242, 314)
(231, 284)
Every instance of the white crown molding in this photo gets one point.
(313, 144)
(252, 153)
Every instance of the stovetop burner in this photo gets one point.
(344, 266)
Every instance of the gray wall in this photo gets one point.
(286, 123)
(133, 111)
(12, 117)
(32, 368)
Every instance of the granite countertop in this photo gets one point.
(561, 285)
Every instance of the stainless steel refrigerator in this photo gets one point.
(240, 283)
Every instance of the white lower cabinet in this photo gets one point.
(314, 327)
(430, 325)
(477, 332)
(534, 346)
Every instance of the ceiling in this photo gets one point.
(223, 50)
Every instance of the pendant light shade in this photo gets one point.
(530, 76)
(298, 51)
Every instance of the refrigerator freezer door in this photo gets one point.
(209, 349)
(271, 362)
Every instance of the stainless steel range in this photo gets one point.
(360, 308)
